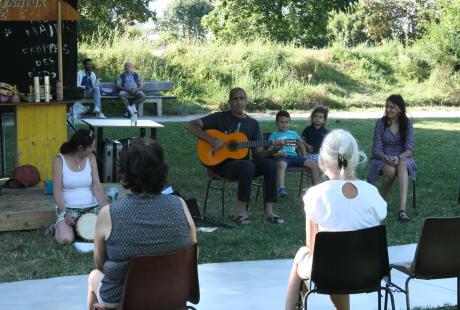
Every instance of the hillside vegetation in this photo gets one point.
(282, 76)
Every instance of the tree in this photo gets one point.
(183, 18)
(298, 21)
(107, 15)
(378, 21)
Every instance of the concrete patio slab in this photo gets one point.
(234, 285)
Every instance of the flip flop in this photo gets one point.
(275, 219)
(242, 219)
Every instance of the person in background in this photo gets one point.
(392, 151)
(76, 186)
(129, 84)
(287, 156)
(144, 223)
(244, 170)
(344, 203)
(314, 134)
(87, 79)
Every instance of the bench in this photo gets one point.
(151, 89)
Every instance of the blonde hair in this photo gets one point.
(340, 152)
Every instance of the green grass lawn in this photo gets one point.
(29, 255)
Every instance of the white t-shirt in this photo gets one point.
(326, 205)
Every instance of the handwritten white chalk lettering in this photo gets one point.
(22, 3)
(44, 49)
(3, 14)
(43, 30)
(44, 62)
(7, 32)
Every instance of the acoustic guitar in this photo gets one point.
(236, 146)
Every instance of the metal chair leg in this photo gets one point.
(206, 197)
(407, 293)
(223, 202)
(392, 299)
(306, 299)
(458, 293)
(300, 184)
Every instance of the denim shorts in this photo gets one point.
(293, 161)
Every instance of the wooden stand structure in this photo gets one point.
(26, 209)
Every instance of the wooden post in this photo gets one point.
(59, 39)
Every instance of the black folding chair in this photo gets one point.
(437, 255)
(350, 262)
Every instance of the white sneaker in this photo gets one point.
(96, 110)
(132, 109)
(100, 115)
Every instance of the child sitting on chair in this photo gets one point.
(287, 155)
(313, 135)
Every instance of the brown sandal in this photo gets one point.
(402, 216)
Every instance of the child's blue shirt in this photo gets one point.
(283, 135)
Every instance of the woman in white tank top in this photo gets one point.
(76, 186)
(343, 203)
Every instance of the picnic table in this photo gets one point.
(98, 125)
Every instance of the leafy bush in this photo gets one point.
(382, 20)
(347, 28)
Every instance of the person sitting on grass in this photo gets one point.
(313, 135)
(287, 155)
(344, 203)
(129, 84)
(76, 186)
(144, 223)
(392, 150)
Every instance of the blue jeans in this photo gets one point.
(95, 94)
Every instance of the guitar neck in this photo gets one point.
(252, 144)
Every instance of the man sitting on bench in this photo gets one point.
(87, 79)
(129, 84)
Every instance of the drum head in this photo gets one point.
(86, 226)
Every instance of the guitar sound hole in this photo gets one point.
(232, 145)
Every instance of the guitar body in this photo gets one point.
(210, 158)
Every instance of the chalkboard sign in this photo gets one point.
(29, 48)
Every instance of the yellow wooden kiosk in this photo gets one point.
(40, 127)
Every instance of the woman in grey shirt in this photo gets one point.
(145, 223)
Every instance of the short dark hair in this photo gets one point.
(86, 60)
(319, 109)
(142, 167)
(234, 90)
(282, 113)
(82, 137)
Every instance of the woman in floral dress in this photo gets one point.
(392, 151)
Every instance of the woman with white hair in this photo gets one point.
(343, 203)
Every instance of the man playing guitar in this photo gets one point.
(236, 120)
